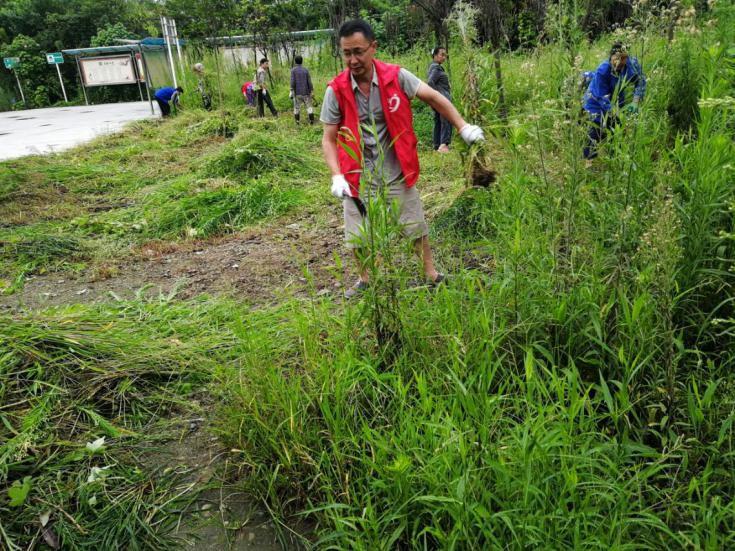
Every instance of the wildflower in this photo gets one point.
(97, 473)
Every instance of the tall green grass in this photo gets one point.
(578, 396)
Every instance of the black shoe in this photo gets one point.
(441, 278)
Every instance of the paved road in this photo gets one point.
(41, 131)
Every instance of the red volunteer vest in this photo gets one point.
(398, 117)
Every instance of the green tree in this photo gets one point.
(32, 69)
(108, 35)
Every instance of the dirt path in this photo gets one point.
(257, 266)
(222, 517)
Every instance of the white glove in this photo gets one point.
(265, 92)
(471, 133)
(290, 94)
(340, 187)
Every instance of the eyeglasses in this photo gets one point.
(355, 52)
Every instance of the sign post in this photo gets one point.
(11, 63)
(55, 58)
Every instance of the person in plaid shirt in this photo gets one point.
(301, 90)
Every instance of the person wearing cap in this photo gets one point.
(261, 89)
(605, 96)
(301, 90)
(437, 78)
(166, 97)
(369, 142)
(203, 86)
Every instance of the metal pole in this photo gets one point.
(61, 81)
(178, 47)
(22, 95)
(147, 78)
(81, 79)
(137, 74)
(167, 38)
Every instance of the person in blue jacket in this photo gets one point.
(607, 88)
(166, 97)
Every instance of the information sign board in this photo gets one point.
(103, 71)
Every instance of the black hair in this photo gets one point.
(437, 49)
(179, 89)
(263, 60)
(618, 48)
(349, 28)
(298, 60)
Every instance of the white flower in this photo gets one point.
(96, 474)
(96, 446)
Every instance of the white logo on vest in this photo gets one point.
(394, 102)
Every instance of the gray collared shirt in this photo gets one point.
(376, 140)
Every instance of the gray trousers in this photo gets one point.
(442, 130)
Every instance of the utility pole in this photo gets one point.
(167, 38)
(178, 46)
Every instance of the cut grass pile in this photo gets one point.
(199, 175)
(83, 391)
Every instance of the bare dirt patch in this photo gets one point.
(258, 266)
(222, 516)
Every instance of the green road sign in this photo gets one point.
(54, 58)
(11, 62)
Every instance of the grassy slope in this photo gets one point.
(581, 396)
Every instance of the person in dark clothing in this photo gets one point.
(607, 88)
(439, 81)
(166, 97)
(301, 90)
(261, 85)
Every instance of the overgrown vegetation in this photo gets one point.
(570, 388)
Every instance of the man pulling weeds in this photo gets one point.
(369, 138)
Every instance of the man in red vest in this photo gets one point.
(369, 136)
